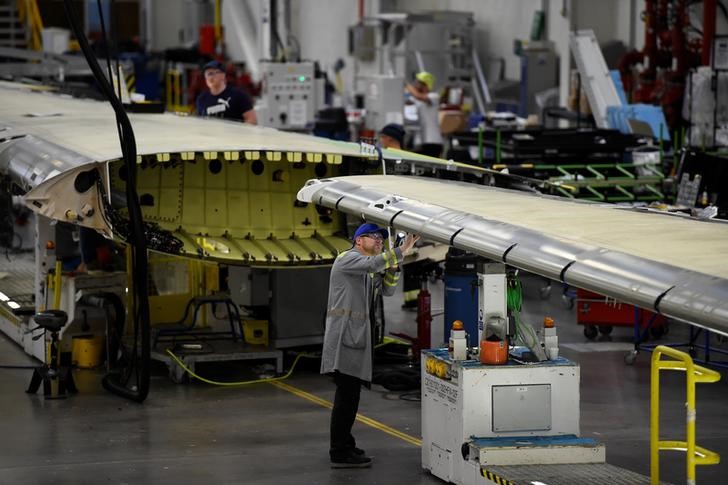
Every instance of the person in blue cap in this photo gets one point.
(223, 101)
(358, 277)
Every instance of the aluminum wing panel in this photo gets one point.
(29, 161)
(687, 243)
(521, 230)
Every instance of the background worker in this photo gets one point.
(223, 101)
(428, 106)
(358, 277)
(392, 136)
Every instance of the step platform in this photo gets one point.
(530, 450)
(565, 474)
(190, 353)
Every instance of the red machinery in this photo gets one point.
(599, 314)
(670, 51)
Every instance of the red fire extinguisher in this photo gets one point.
(424, 319)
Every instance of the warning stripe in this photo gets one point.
(131, 83)
(495, 478)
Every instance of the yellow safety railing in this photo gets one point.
(174, 88)
(30, 15)
(696, 455)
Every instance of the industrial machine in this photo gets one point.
(538, 73)
(479, 412)
(294, 300)
(290, 95)
(440, 42)
(673, 45)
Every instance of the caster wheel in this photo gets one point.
(177, 374)
(178, 378)
(590, 332)
(567, 302)
(605, 329)
(631, 357)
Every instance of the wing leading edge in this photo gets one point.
(654, 261)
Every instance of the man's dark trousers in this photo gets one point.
(343, 415)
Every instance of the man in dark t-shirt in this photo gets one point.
(223, 101)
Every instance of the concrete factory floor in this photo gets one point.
(270, 434)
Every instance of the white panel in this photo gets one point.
(595, 76)
(522, 408)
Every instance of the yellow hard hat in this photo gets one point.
(426, 78)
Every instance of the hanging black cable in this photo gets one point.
(105, 42)
(137, 366)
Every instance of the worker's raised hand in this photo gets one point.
(409, 243)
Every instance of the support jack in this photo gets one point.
(52, 374)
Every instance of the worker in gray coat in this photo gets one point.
(358, 277)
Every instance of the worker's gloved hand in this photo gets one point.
(409, 243)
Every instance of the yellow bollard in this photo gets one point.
(57, 285)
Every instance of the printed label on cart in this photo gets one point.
(440, 389)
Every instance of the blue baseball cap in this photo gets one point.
(369, 228)
(214, 65)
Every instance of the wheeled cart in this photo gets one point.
(600, 314)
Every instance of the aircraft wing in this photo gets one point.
(210, 188)
(674, 265)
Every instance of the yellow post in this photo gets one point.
(177, 89)
(218, 23)
(57, 285)
(695, 455)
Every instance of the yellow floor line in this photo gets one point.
(360, 417)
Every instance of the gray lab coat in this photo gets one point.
(355, 281)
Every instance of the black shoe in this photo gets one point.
(358, 451)
(352, 460)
